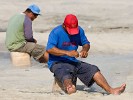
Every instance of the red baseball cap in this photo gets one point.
(71, 24)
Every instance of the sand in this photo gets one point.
(109, 28)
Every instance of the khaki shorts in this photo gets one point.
(33, 49)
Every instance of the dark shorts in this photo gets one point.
(82, 70)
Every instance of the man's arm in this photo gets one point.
(84, 51)
(58, 52)
(28, 34)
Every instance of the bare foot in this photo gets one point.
(118, 90)
(69, 87)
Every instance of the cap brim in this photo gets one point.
(36, 13)
(72, 31)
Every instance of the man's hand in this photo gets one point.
(83, 54)
(72, 53)
(84, 51)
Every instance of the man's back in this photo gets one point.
(15, 32)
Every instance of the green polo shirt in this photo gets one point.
(15, 32)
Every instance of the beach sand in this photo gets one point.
(108, 26)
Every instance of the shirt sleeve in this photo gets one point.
(52, 40)
(28, 34)
(83, 39)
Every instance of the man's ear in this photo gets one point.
(63, 26)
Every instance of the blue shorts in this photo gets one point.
(82, 70)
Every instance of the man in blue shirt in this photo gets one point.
(62, 47)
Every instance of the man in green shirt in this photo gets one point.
(19, 34)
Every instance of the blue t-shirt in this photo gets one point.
(60, 39)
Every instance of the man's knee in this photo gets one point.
(69, 87)
(44, 58)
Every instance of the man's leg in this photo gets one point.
(89, 74)
(62, 71)
(69, 86)
(101, 81)
(44, 58)
(37, 51)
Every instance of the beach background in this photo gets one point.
(108, 25)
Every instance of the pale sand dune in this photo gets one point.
(108, 26)
(111, 43)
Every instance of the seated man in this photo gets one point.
(19, 35)
(62, 47)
